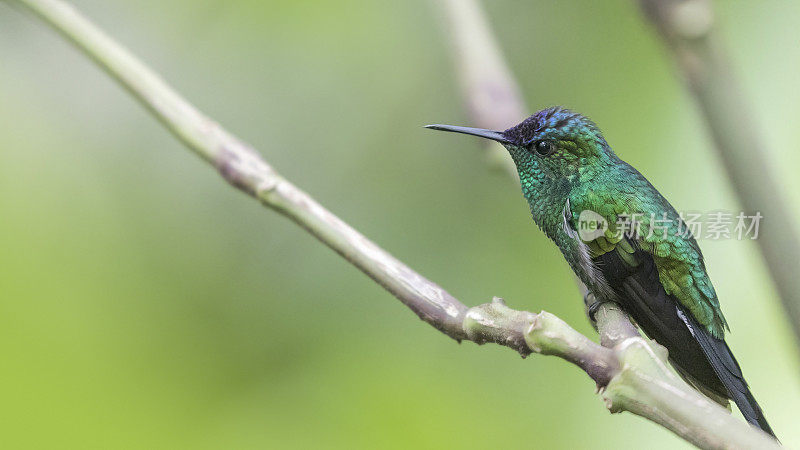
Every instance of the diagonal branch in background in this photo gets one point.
(491, 95)
(634, 372)
(687, 28)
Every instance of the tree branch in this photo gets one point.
(687, 28)
(635, 376)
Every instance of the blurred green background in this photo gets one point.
(145, 304)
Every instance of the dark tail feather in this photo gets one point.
(728, 371)
(703, 359)
(751, 411)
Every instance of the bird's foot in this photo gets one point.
(592, 306)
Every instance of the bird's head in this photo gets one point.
(554, 148)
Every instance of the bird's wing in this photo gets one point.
(703, 360)
(662, 233)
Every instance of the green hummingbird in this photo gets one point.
(571, 177)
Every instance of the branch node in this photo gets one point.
(496, 322)
(244, 169)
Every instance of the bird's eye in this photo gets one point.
(544, 148)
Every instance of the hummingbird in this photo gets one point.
(571, 177)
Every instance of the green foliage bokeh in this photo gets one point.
(145, 304)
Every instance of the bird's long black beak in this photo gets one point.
(480, 132)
